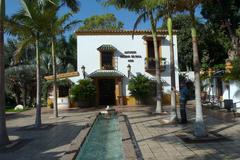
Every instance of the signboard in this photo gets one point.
(130, 55)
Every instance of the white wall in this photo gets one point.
(89, 56)
(234, 93)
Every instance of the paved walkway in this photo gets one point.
(156, 141)
(159, 142)
(45, 144)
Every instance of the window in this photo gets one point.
(150, 56)
(63, 91)
(150, 49)
(107, 60)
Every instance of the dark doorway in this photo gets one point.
(106, 91)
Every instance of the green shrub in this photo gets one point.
(85, 90)
(142, 88)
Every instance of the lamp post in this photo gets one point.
(83, 71)
(129, 70)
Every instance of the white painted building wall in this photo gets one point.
(89, 56)
(234, 93)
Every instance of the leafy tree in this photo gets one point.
(84, 91)
(225, 16)
(20, 82)
(214, 48)
(141, 87)
(102, 22)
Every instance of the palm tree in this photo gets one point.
(167, 8)
(28, 24)
(199, 126)
(146, 10)
(73, 4)
(57, 26)
(3, 130)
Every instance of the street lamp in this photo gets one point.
(83, 71)
(129, 70)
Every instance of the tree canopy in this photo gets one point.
(213, 43)
(102, 22)
(224, 16)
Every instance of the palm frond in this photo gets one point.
(20, 46)
(142, 17)
(72, 24)
(72, 4)
(25, 7)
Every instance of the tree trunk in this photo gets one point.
(3, 129)
(199, 126)
(159, 108)
(55, 107)
(18, 97)
(173, 116)
(24, 95)
(38, 121)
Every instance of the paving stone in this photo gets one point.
(164, 144)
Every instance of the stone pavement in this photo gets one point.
(45, 144)
(158, 141)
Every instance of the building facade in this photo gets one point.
(111, 58)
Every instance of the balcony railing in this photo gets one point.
(150, 64)
(108, 67)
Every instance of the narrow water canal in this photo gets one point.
(104, 142)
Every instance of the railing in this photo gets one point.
(150, 64)
(108, 67)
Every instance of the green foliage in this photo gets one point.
(235, 72)
(141, 87)
(66, 54)
(224, 15)
(20, 80)
(85, 90)
(213, 43)
(102, 22)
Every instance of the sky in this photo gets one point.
(89, 8)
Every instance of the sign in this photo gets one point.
(130, 55)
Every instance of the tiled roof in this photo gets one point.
(106, 47)
(121, 32)
(63, 75)
(106, 73)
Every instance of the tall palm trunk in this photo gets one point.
(38, 121)
(55, 107)
(173, 116)
(3, 130)
(199, 126)
(159, 108)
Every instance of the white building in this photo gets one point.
(219, 90)
(110, 58)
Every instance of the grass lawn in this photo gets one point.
(19, 110)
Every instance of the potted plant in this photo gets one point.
(142, 88)
(83, 93)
